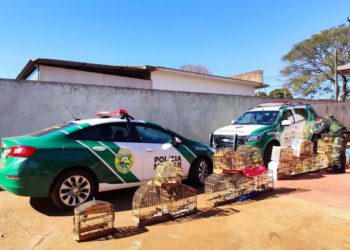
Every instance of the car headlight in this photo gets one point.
(251, 138)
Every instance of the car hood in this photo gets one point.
(239, 129)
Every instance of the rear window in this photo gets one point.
(118, 132)
(51, 129)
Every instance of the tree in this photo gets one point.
(195, 68)
(310, 69)
(280, 93)
(261, 94)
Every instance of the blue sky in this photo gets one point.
(229, 37)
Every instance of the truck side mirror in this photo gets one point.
(176, 141)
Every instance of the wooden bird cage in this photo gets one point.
(168, 174)
(153, 203)
(93, 219)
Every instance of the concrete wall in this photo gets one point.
(27, 106)
(180, 81)
(55, 74)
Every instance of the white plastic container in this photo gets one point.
(273, 167)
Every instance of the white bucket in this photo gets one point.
(273, 166)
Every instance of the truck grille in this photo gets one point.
(226, 141)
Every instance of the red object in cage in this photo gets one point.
(254, 171)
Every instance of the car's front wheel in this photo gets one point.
(199, 171)
(72, 188)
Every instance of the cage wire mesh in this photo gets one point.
(168, 173)
(237, 160)
(220, 188)
(264, 182)
(180, 200)
(147, 202)
(93, 219)
(152, 202)
(223, 188)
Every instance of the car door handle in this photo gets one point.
(149, 150)
(99, 148)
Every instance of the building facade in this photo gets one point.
(144, 77)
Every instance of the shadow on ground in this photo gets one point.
(311, 175)
(277, 192)
(121, 232)
(227, 209)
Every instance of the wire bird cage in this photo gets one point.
(153, 203)
(232, 161)
(220, 188)
(264, 181)
(93, 219)
(225, 188)
(301, 164)
(168, 174)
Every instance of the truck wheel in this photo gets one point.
(199, 171)
(268, 152)
(72, 188)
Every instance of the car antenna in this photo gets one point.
(71, 114)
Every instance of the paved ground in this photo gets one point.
(307, 212)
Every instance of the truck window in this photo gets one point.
(300, 114)
(287, 115)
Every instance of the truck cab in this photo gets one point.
(267, 125)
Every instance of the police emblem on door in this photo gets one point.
(124, 161)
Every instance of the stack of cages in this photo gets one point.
(301, 164)
(324, 150)
(316, 163)
(165, 197)
(228, 182)
(93, 219)
(229, 161)
(284, 157)
(302, 156)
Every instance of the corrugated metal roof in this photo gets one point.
(344, 69)
(141, 72)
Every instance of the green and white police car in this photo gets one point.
(268, 125)
(71, 162)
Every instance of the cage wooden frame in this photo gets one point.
(153, 203)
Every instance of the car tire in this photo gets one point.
(268, 153)
(72, 188)
(199, 171)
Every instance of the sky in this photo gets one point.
(228, 37)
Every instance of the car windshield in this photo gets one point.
(51, 129)
(257, 118)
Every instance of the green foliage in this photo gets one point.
(280, 93)
(196, 68)
(261, 94)
(309, 68)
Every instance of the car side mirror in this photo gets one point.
(176, 141)
(286, 123)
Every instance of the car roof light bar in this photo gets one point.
(122, 113)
